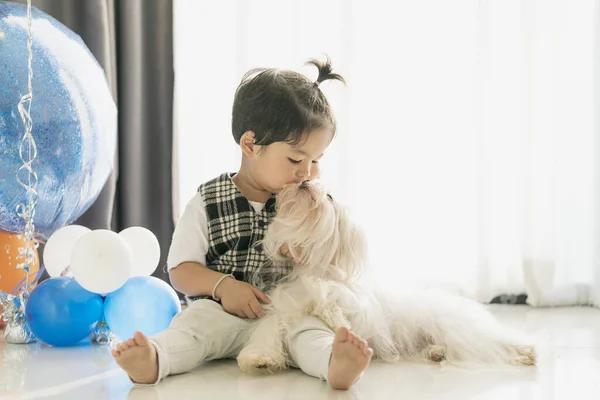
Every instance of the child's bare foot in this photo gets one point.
(350, 356)
(138, 358)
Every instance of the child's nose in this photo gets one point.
(304, 173)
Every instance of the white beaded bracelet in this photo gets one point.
(214, 296)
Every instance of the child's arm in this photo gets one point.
(187, 254)
(238, 298)
(193, 279)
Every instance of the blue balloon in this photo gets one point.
(74, 120)
(144, 303)
(62, 313)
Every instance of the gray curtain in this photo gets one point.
(133, 41)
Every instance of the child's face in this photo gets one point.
(281, 164)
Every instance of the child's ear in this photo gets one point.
(248, 143)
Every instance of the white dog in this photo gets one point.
(330, 280)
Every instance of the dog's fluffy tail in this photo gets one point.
(441, 327)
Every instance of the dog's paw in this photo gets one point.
(261, 363)
(435, 353)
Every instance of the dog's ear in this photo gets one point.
(351, 256)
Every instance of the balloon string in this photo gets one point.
(37, 277)
(28, 153)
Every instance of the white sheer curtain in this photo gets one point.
(469, 141)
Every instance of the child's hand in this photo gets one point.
(241, 299)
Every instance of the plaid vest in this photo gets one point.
(234, 232)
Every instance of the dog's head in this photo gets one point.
(316, 232)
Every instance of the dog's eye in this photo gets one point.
(329, 197)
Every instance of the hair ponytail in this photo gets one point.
(325, 71)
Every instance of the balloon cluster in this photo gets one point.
(58, 140)
(48, 178)
(100, 277)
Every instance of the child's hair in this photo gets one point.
(282, 105)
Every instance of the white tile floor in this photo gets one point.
(569, 368)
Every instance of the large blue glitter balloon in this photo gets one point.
(74, 120)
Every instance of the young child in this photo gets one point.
(283, 124)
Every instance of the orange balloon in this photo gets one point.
(12, 278)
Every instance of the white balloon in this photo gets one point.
(58, 249)
(101, 261)
(144, 248)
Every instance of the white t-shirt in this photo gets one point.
(190, 239)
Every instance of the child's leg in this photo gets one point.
(340, 357)
(309, 343)
(199, 333)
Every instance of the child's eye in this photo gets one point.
(294, 161)
(315, 162)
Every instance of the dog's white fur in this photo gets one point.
(331, 281)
